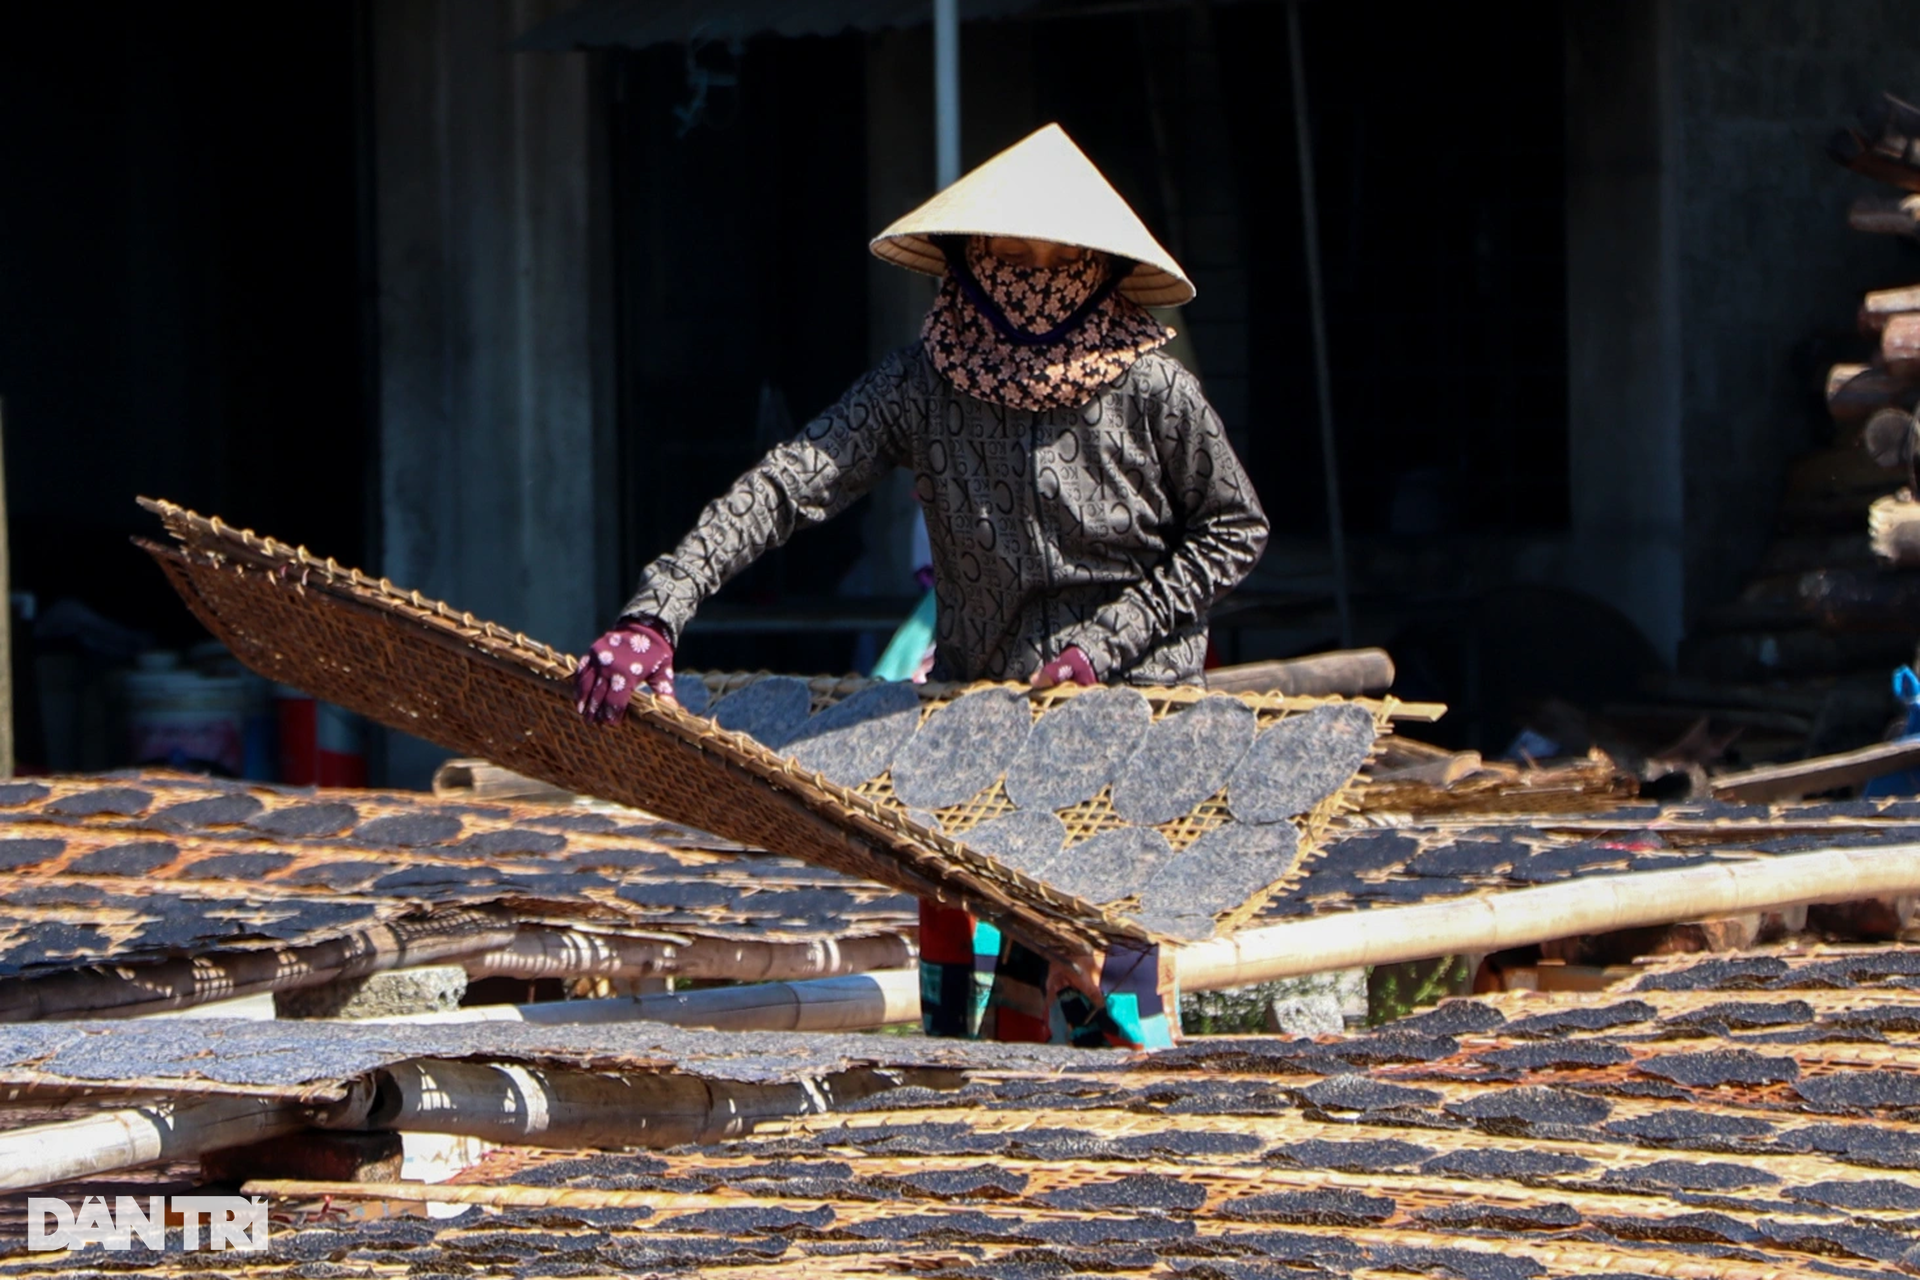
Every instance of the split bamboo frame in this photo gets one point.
(63, 1150)
(851, 1002)
(486, 943)
(1519, 917)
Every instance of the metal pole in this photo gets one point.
(946, 91)
(1316, 294)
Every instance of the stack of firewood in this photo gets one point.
(1878, 399)
(1830, 609)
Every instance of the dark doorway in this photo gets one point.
(740, 215)
(1438, 135)
(180, 298)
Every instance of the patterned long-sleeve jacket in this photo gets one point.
(1113, 526)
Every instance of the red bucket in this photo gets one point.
(320, 744)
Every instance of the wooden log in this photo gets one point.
(1900, 346)
(1886, 215)
(1882, 305)
(1888, 158)
(41, 1155)
(1889, 438)
(1821, 773)
(482, 780)
(1893, 528)
(125, 991)
(572, 953)
(1856, 391)
(1863, 600)
(856, 1002)
(508, 1102)
(1347, 673)
(1527, 917)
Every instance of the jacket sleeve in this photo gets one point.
(834, 460)
(1218, 535)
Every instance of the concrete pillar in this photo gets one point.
(1624, 368)
(490, 436)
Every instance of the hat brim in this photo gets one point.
(1147, 284)
(1041, 188)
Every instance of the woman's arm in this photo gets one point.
(1222, 532)
(820, 472)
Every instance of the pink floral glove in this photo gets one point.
(1070, 667)
(634, 655)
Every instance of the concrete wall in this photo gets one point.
(1710, 275)
(492, 443)
(1767, 264)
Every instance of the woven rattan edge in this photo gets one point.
(467, 634)
(936, 866)
(1008, 892)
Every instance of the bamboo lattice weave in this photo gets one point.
(1742, 1117)
(420, 666)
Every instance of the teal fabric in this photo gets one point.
(909, 644)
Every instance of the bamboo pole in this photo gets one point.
(1521, 917)
(574, 953)
(853, 1002)
(43, 1154)
(515, 1103)
(125, 991)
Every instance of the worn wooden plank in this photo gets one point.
(1822, 773)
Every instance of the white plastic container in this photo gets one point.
(185, 719)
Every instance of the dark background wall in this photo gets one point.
(1584, 262)
(1768, 275)
(180, 286)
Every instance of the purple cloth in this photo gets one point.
(632, 656)
(1071, 666)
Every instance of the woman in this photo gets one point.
(1084, 511)
(1084, 508)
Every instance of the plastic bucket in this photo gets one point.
(320, 744)
(187, 720)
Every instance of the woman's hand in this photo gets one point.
(634, 655)
(1070, 666)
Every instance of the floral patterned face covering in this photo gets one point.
(1034, 338)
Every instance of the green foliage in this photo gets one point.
(1396, 990)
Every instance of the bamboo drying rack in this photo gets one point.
(417, 665)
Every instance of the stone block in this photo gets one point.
(395, 993)
(316, 1155)
(1314, 1015)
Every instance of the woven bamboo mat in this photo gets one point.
(418, 665)
(1525, 1137)
(137, 867)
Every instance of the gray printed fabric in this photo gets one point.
(1114, 526)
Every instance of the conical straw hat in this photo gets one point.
(1041, 188)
